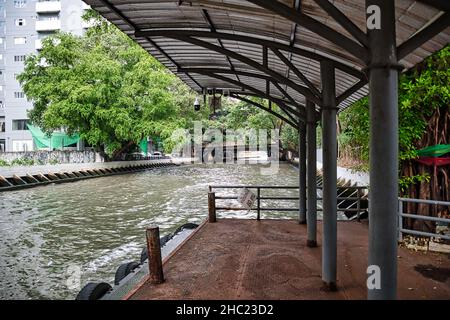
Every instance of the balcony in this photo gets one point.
(48, 6)
(48, 25)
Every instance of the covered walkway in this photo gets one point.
(312, 58)
(268, 259)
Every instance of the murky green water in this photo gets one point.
(98, 224)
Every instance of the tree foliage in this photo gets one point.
(105, 87)
(242, 115)
(111, 92)
(423, 91)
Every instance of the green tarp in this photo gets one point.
(434, 151)
(55, 141)
(143, 145)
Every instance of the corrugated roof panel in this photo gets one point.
(241, 18)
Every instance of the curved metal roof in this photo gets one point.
(273, 49)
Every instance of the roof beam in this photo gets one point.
(347, 93)
(286, 111)
(298, 7)
(208, 19)
(344, 21)
(225, 71)
(315, 26)
(241, 38)
(274, 75)
(172, 61)
(443, 5)
(284, 93)
(279, 116)
(298, 73)
(300, 113)
(265, 59)
(119, 13)
(422, 36)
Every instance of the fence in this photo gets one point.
(349, 199)
(401, 215)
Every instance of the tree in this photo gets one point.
(111, 92)
(242, 115)
(105, 87)
(424, 120)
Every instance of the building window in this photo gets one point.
(20, 40)
(20, 125)
(1, 57)
(19, 95)
(19, 58)
(20, 22)
(20, 3)
(22, 145)
(49, 17)
(2, 145)
(2, 124)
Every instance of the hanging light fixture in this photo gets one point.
(196, 104)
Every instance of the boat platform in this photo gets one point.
(268, 259)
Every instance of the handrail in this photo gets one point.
(277, 187)
(139, 157)
(340, 199)
(402, 230)
(425, 201)
(356, 196)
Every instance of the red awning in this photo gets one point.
(434, 161)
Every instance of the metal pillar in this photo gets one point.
(329, 241)
(302, 171)
(312, 175)
(383, 151)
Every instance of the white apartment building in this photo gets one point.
(23, 25)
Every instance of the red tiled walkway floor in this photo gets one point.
(249, 259)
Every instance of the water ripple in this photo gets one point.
(97, 224)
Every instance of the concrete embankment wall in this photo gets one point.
(360, 178)
(49, 157)
(70, 167)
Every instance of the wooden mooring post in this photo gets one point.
(212, 207)
(154, 255)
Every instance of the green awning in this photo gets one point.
(434, 151)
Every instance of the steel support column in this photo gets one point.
(329, 241)
(302, 171)
(312, 175)
(383, 153)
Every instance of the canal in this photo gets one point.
(95, 225)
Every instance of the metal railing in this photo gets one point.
(402, 230)
(348, 199)
(139, 157)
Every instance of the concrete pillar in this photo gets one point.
(312, 175)
(302, 171)
(329, 241)
(383, 102)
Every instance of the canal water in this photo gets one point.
(50, 233)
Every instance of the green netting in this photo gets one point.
(143, 145)
(434, 151)
(56, 140)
